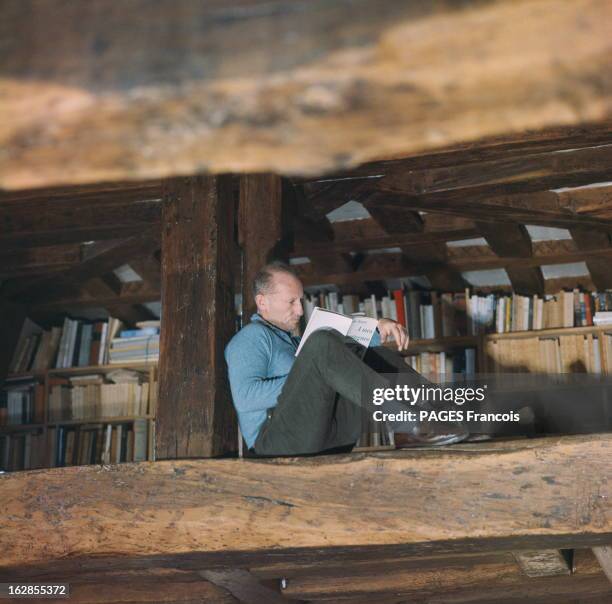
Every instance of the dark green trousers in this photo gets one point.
(321, 404)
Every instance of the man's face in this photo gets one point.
(282, 306)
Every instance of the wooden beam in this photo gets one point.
(514, 240)
(133, 293)
(604, 557)
(510, 188)
(195, 417)
(264, 509)
(104, 258)
(36, 261)
(390, 266)
(154, 586)
(463, 580)
(434, 256)
(503, 176)
(413, 77)
(65, 215)
(599, 268)
(529, 142)
(149, 269)
(261, 230)
(384, 241)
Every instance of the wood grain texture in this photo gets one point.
(195, 417)
(62, 215)
(152, 90)
(260, 230)
(535, 494)
(467, 581)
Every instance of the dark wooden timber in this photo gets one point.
(101, 259)
(253, 85)
(599, 268)
(514, 240)
(195, 417)
(44, 217)
(261, 230)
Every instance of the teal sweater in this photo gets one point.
(259, 358)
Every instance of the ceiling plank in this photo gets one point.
(441, 275)
(221, 91)
(394, 220)
(33, 261)
(514, 240)
(599, 268)
(77, 214)
(104, 260)
(515, 188)
(386, 241)
(389, 265)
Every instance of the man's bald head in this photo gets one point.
(278, 295)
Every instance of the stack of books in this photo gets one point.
(136, 345)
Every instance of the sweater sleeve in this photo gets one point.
(248, 359)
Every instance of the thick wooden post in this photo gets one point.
(195, 417)
(260, 230)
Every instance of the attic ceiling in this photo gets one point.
(493, 217)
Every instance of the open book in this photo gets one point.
(360, 329)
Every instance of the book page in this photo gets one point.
(325, 318)
(362, 329)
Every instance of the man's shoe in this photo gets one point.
(405, 440)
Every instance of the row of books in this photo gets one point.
(445, 366)
(97, 400)
(79, 343)
(428, 315)
(22, 402)
(501, 314)
(102, 443)
(22, 451)
(561, 354)
(425, 314)
(97, 444)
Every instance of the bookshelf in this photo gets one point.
(59, 409)
(35, 444)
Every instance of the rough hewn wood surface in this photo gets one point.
(149, 89)
(260, 230)
(534, 494)
(484, 581)
(195, 417)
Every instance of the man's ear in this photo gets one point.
(260, 301)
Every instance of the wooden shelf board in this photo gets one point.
(99, 420)
(20, 427)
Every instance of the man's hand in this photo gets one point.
(388, 328)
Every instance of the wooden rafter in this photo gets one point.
(390, 265)
(514, 240)
(512, 189)
(45, 217)
(384, 241)
(104, 258)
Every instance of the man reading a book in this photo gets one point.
(290, 405)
